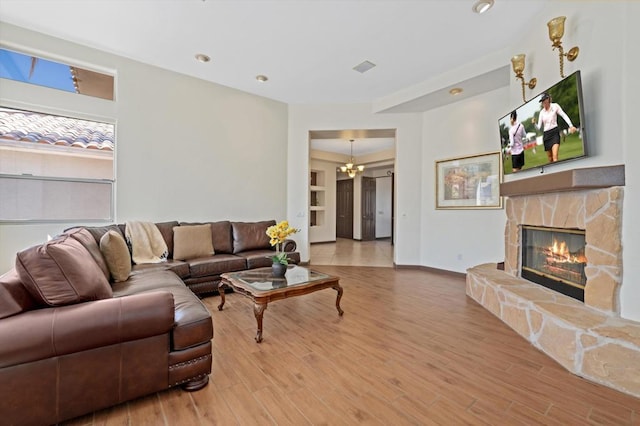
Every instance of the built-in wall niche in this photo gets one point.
(317, 198)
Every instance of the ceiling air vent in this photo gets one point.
(364, 66)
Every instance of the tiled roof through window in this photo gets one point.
(32, 127)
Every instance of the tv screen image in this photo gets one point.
(567, 94)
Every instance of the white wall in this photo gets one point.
(458, 239)
(186, 149)
(630, 291)
(303, 118)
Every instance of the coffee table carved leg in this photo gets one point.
(221, 286)
(258, 311)
(338, 288)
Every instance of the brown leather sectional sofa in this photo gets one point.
(237, 245)
(73, 341)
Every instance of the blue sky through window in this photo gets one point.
(17, 66)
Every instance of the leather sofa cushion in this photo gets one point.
(192, 241)
(54, 332)
(215, 265)
(61, 272)
(251, 235)
(14, 297)
(117, 255)
(179, 267)
(257, 258)
(150, 280)
(85, 238)
(262, 258)
(221, 235)
(193, 324)
(294, 257)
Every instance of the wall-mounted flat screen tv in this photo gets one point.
(546, 130)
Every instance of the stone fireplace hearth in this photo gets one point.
(589, 339)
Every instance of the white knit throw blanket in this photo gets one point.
(147, 244)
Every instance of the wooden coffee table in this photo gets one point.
(262, 287)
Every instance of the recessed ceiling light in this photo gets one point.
(201, 57)
(455, 91)
(262, 78)
(481, 6)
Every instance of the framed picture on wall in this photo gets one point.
(471, 182)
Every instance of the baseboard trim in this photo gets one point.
(323, 242)
(446, 272)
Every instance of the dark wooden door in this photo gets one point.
(368, 209)
(344, 208)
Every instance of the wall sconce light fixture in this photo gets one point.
(556, 31)
(518, 67)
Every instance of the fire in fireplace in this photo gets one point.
(554, 258)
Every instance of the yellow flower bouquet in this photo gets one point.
(278, 234)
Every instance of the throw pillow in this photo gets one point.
(192, 241)
(116, 253)
(221, 236)
(61, 272)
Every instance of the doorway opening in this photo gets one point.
(352, 213)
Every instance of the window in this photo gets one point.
(55, 168)
(42, 72)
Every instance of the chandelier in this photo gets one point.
(350, 168)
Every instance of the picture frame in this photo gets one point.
(471, 182)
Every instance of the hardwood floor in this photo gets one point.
(411, 348)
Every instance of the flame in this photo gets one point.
(560, 250)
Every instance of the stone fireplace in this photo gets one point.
(588, 338)
(598, 212)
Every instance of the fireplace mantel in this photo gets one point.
(569, 180)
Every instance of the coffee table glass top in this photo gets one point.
(262, 279)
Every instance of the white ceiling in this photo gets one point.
(360, 146)
(307, 48)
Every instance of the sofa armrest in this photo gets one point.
(49, 332)
(289, 246)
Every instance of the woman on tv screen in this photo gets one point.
(548, 122)
(517, 137)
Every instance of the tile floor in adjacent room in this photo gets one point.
(346, 252)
